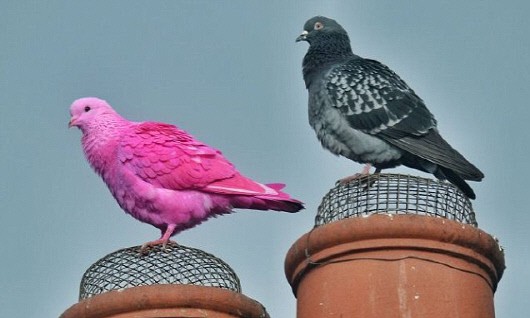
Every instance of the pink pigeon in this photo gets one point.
(161, 175)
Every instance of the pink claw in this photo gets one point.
(162, 240)
(363, 173)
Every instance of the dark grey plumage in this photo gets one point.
(362, 110)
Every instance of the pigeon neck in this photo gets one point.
(105, 125)
(100, 138)
(323, 53)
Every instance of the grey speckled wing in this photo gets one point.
(374, 100)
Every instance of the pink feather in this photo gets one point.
(161, 175)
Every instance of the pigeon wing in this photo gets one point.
(376, 101)
(168, 157)
(435, 149)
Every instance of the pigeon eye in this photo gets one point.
(87, 108)
(318, 25)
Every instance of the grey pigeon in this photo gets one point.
(362, 110)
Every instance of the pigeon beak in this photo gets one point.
(302, 37)
(72, 122)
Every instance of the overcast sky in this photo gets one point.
(229, 72)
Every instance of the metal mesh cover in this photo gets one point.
(176, 264)
(395, 194)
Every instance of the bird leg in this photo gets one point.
(164, 239)
(372, 180)
(363, 173)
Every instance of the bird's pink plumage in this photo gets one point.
(162, 175)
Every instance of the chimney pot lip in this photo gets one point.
(167, 297)
(390, 232)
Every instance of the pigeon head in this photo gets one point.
(329, 45)
(88, 110)
(322, 29)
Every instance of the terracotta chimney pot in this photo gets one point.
(395, 266)
(183, 301)
(171, 281)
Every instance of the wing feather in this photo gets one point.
(434, 148)
(375, 100)
(378, 102)
(167, 157)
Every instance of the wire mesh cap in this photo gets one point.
(395, 194)
(176, 264)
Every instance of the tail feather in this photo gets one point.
(439, 172)
(283, 202)
(458, 181)
(278, 202)
(291, 206)
(276, 186)
(433, 148)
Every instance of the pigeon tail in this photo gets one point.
(283, 205)
(280, 201)
(283, 202)
(458, 181)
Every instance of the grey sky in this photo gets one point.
(229, 72)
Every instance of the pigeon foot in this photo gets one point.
(147, 246)
(365, 172)
(164, 240)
